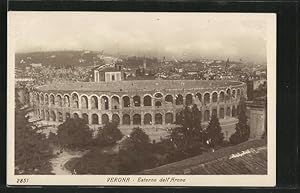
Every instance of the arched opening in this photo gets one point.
(199, 97)
(169, 99)
(242, 92)
(126, 119)
(179, 100)
(40, 99)
(46, 99)
(215, 112)
(126, 101)
(206, 115)
(233, 111)
(115, 103)
(158, 95)
(137, 101)
(116, 119)
(59, 100)
(75, 100)
(42, 114)
(228, 94)
(47, 115)
(52, 116)
(188, 99)
(233, 94)
(221, 116)
(94, 102)
(105, 119)
(60, 117)
(104, 102)
(238, 109)
(178, 117)
(169, 118)
(85, 118)
(200, 115)
(67, 101)
(238, 93)
(84, 102)
(215, 97)
(158, 104)
(52, 101)
(68, 116)
(95, 119)
(228, 114)
(147, 101)
(148, 119)
(137, 119)
(76, 116)
(222, 96)
(158, 119)
(206, 98)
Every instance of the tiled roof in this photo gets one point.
(246, 158)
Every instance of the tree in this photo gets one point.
(135, 152)
(213, 133)
(242, 130)
(187, 139)
(74, 133)
(32, 150)
(109, 135)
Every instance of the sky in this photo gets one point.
(173, 35)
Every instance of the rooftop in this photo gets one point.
(246, 158)
(137, 85)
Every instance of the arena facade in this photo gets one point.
(136, 103)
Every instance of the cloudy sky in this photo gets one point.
(174, 35)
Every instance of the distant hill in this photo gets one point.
(58, 58)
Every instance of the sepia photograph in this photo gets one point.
(141, 98)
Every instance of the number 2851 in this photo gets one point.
(22, 180)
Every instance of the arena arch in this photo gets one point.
(215, 112)
(105, 119)
(199, 97)
(52, 116)
(215, 97)
(104, 103)
(158, 104)
(41, 99)
(66, 100)
(126, 119)
(68, 116)
(136, 119)
(52, 100)
(169, 118)
(147, 119)
(116, 119)
(179, 100)
(85, 118)
(238, 93)
(42, 114)
(206, 98)
(158, 119)
(75, 115)
(60, 117)
(47, 115)
(46, 98)
(75, 100)
(221, 113)
(233, 111)
(147, 100)
(234, 93)
(206, 115)
(94, 102)
(115, 102)
(169, 99)
(228, 112)
(126, 101)
(59, 100)
(228, 94)
(222, 96)
(137, 101)
(95, 119)
(188, 99)
(84, 102)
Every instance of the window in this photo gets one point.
(113, 77)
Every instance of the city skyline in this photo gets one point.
(187, 36)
